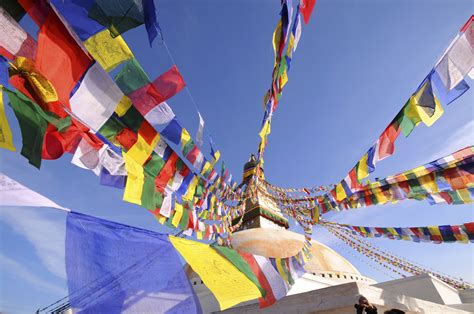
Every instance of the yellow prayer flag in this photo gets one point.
(6, 137)
(393, 232)
(381, 197)
(423, 95)
(434, 230)
(207, 166)
(276, 38)
(135, 180)
(428, 183)
(363, 168)
(185, 137)
(43, 88)
(108, 51)
(464, 195)
(122, 107)
(191, 189)
(284, 79)
(178, 213)
(141, 150)
(340, 193)
(227, 283)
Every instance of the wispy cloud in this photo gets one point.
(9, 265)
(464, 136)
(47, 235)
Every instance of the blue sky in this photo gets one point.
(355, 66)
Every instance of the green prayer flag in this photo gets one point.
(111, 128)
(131, 77)
(133, 119)
(240, 264)
(148, 192)
(33, 127)
(183, 224)
(154, 165)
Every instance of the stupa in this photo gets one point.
(264, 231)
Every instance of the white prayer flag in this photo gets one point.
(159, 115)
(13, 193)
(96, 98)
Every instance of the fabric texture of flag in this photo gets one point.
(109, 264)
(14, 41)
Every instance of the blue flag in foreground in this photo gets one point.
(114, 268)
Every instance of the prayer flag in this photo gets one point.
(131, 77)
(59, 58)
(306, 8)
(268, 299)
(77, 15)
(107, 179)
(14, 41)
(160, 115)
(96, 98)
(161, 89)
(447, 96)
(6, 137)
(109, 52)
(12, 193)
(227, 283)
(241, 264)
(135, 181)
(32, 125)
(428, 107)
(173, 131)
(167, 172)
(146, 142)
(200, 130)
(109, 264)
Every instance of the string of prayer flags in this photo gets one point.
(423, 106)
(6, 137)
(437, 234)
(383, 257)
(108, 264)
(227, 283)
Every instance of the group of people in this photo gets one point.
(365, 307)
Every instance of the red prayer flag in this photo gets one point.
(269, 298)
(387, 141)
(164, 87)
(59, 58)
(166, 172)
(306, 8)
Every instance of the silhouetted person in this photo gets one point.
(364, 305)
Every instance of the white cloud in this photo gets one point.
(9, 265)
(464, 136)
(45, 234)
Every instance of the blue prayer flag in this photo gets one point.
(115, 268)
(173, 131)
